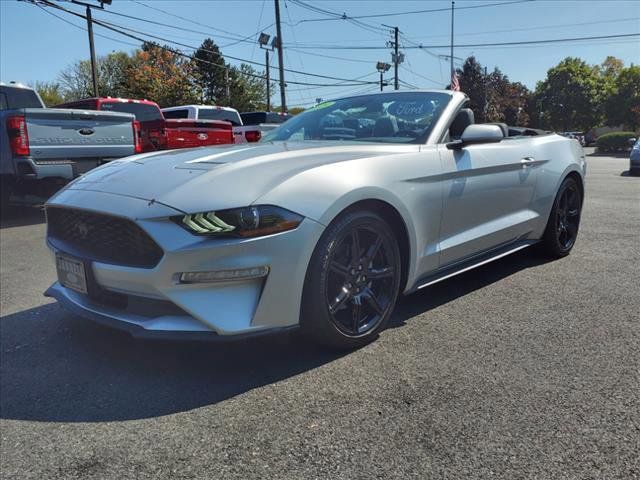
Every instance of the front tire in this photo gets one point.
(564, 220)
(352, 282)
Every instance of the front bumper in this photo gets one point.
(238, 307)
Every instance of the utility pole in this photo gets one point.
(396, 60)
(266, 62)
(453, 3)
(92, 50)
(283, 99)
(94, 71)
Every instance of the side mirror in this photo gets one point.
(480, 133)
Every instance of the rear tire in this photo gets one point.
(564, 221)
(352, 282)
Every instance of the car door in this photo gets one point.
(487, 197)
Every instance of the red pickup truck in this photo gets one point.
(158, 133)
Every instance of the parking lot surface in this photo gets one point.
(523, 368)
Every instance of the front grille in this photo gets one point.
(101, 237)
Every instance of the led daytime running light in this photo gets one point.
(208, 223)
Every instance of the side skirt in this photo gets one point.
(477, 261)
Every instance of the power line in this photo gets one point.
(116, 27)
(84, 29)
(422, 76)
(178, 52)
(471, 45)
(344, 16)
(239, 40)
(355, 60)
(337, 16)
(525, 29)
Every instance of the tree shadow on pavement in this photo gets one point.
(59, 368)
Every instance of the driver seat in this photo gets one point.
(386, 126)
(463, 119)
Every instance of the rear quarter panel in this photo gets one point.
(562, 155)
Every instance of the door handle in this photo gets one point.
(527, 161)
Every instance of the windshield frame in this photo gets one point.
(444, 103)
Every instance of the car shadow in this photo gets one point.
(21, 216)
(59, 368)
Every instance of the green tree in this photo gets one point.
(506, 101)
(50, 92)
(76, 80)
(212, 71)
(622, 107)
(472, 82)
(492, 97)
(569, 97)
(248, 90)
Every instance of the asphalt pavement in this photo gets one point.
(524, 368)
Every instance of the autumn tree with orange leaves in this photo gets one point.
(163, 76)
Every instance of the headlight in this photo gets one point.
(252, 221)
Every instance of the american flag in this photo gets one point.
(455, 84)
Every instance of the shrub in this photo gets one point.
(614, 141)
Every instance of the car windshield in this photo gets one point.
(406, 117)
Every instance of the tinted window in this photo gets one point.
(278, 117)
(254, 118)
(176, 113)
(85, 105)
(19, 98)
(215, 114)
(406, 117)
(142, 111)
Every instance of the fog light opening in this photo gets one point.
(224, 275)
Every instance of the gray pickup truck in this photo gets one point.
(42, 148)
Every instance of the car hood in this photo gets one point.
(199, 179)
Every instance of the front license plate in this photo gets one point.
(71, 273)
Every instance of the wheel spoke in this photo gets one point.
(356, 314)
(373, 250)
(372, 300)
(340, 300)
(355, 246)
(339, 268)
(378, 273)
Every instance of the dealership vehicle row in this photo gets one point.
(43, 148)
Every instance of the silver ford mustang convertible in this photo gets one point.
(320, 226)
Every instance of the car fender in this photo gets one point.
(324, 201)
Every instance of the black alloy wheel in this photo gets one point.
(568, 216)
(564, 221)
(353, 281)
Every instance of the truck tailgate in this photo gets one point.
(74, 134)
(185, 133)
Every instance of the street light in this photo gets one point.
(382, 67)
(263, 41)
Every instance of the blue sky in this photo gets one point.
(37, 46)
